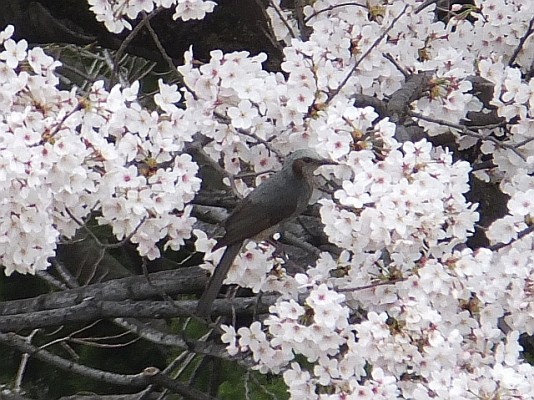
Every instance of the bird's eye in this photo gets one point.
(307, 160)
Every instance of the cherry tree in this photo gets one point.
(400, 303)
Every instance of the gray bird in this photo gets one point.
(278, 199)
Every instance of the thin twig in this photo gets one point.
(270, 35)
(522, 41)
(370, 286)
(23, 362)
(65, 274)
(483, 165)
(365, 54)
(224, 119)
(52, 281)
(95, 238)
(167, 58)
(80, 73)
(330, 8)
(150, 375)
(524, 142)
(425, 5)
(520, 235)
(283, 18)
(127, 41)
(299, 13)
(59, 125)
(92, 343)
(162, 51)
(390, 58)
(468, 132)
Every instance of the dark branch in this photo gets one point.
(13, 340)
(529, 31)
(92, 309)
(183, 281)
(520, 235)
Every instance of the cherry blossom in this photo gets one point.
(404, 309)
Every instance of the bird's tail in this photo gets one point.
(216, 280)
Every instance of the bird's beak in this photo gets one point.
(325, 161)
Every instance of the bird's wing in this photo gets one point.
(250, 218)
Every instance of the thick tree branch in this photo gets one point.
(92, 309)
(181, 281)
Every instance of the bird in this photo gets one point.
(281, 197)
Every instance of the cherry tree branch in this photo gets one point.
(332, 7)
(520, 235)
(528, 32)
(149, 376)
(91, 309)
(185, 281)
(18, 342)
(468, 132)
(365, 54)
(125, 43)
(282, 18)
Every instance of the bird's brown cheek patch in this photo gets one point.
(297, 167)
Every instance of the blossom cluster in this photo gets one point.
(115, 14)
(485, 48)
(411, 200)
(406, 309)
(67, 157)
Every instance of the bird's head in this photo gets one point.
(304, 162)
